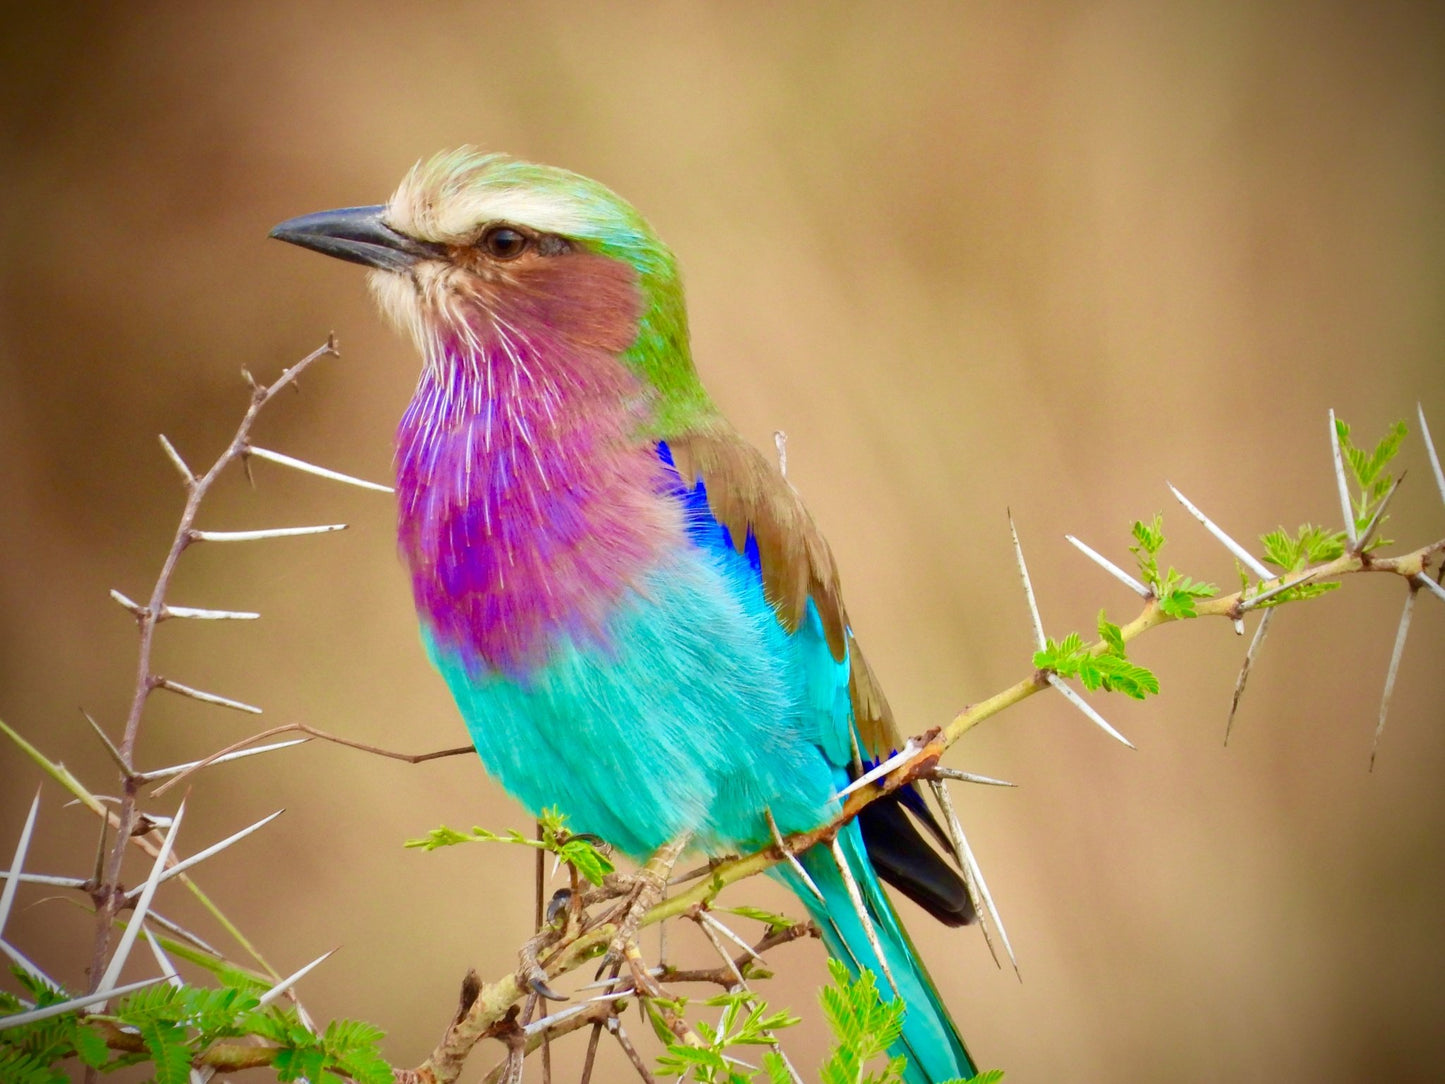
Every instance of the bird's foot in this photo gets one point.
(644, 891)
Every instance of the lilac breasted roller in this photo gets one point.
(638, 618)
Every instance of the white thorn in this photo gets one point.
(17, 864)
(129, 603)
(1110, 567)
(1344, 486)
(1249, 657)
(1040, 640)
(214, 849)
(180, 931)
(546, 1022)
(779, 842)
(862, 911)
(717, 945)
(142, 904)
(1245, 557)
(1238, 623)
(723, 929)
(291, 980)
(175, 457)
(274, 532)
(1083, 705)
(1260, 599)
(177, 769)
(970, 777)
(978, 891)
(1422, 580)
(1430, 447)
(312, 468)
(60, 1008)
(205, 697)
(780, 441)
(1400, 635)
(602, 984)
(197, 614)
(167, 968)
(905, 754)
(45, 879)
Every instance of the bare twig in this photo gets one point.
(230, 751)
(148, 618)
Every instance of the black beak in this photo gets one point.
(358, 234)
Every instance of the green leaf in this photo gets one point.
(166, 1044)
(584, 856)
(1148, 540)
(1310, 545)
(1177, 597)
(351, 1048)
(22, 1067)
(771, 919)
(1368, 471)
(1112, 672)
(440, 837)
(1111, 634)
(90, 1046)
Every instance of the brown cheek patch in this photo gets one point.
(589, 299)
(592, 300)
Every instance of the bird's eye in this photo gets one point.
(504, 243)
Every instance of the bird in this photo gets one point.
(639, 620)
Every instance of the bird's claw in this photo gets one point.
(538, 985)
(533, 977)
(557, 905)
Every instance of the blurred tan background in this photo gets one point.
(969, 258)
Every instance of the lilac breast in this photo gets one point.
(528, 507)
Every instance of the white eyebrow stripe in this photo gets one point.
(537, 210)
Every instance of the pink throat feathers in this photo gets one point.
(528, 504)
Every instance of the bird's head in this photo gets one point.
(477, 252)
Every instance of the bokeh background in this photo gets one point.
(969, 257)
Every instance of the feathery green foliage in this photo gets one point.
(177, 1025)
(583, 853)
(1109, 669)
(744, 1021)
(1312, 545)
(1368, 470)
(1175, 591)
(864, 1026)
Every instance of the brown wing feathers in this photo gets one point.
(746, 492)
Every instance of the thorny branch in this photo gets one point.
(107, 895)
